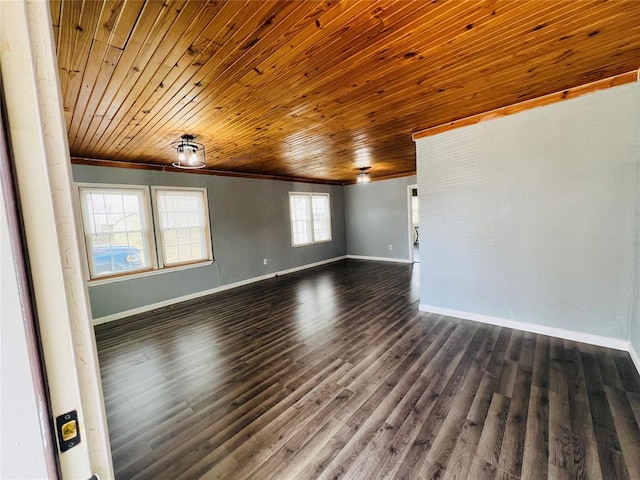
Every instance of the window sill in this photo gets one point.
(147, 273)
(311, 243)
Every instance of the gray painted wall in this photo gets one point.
(532, 217)
(377, 216)
(249, 222)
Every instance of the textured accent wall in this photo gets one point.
(533, 217)
(249, 222)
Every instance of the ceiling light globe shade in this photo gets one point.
(363, 177)
(190, 154)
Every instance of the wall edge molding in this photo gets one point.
(379, 259)
(599, 340)
(203, 293)
(96, 162)
(549, 99)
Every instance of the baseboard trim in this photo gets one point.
(379, 259)
(599, 340)
(634, 357)
(221, 288)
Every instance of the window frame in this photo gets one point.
(158, 230)
(309, 209)
(151, 218)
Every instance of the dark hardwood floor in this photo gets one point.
(333, 373)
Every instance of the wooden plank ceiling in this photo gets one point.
(311, 89)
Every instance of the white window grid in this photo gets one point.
(152, 252)
(310, 216)
(116, 216)
(181, 225)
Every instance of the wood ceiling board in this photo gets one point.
(115, 24)
(98, 34)
(84, 32)
(302, 100)
(108, 106)
(354, 99)
(157, 66)
(170, 92)
(69, 18)
(317, 88)
(165, 114)
(421, 67)
(95, 89)
(552, 88)
(95, 66)
(181, 77)
(183, 99)
(169, 14)
(555, 97)
(159, 84)
(121, 24)
(409, 143)
(55, 7)
(111, 11)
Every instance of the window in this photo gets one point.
(183, 226)
(414, 210)
(310, 218)
(119, 235)
(116, 230)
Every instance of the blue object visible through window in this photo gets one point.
(118, 225)
(116, 230)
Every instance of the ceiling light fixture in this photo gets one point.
(363, 176)
(189, 154)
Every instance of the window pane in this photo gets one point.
(116, 230)
(184, 226)
(321, 218)
(171, 254)
(300, 219)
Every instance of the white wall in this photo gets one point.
(376, 216)
(532, 217)
(41, 161)
(635, 320)
(22, 454)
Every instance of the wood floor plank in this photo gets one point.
(333, 373)
(612, 464)
(626, 428)
(482, 469)
(604, 427)
(536, 445)
(462, 458)
(586, 459)
(560, 434)
(511, 455)
(438, 406)
(626, 371)
(541, 361)
(634, 402)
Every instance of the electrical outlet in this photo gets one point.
(265, 261)
(390, 247)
